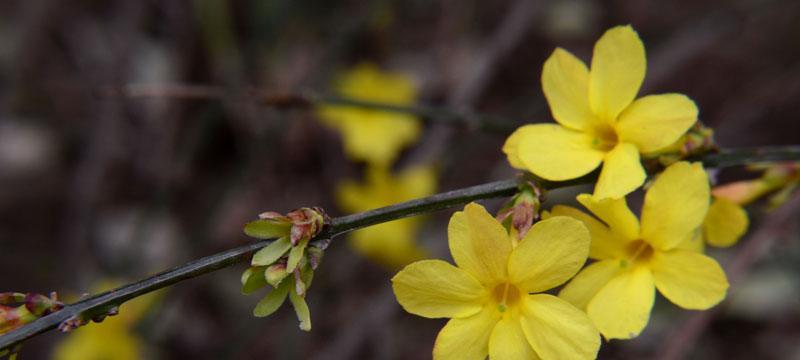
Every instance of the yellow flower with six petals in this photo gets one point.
(599, 118)
(491, 295)
(636, 258)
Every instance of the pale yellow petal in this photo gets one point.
(622, 173)
(688, 279)
(565, 82)
(391, 244)
(479, 244)
(509, 342)
(615, 213)
(556, 153)
(675, 205)
(618, 68)
(550, 254)
(621, 309)
(558, 330)
(434, 289)
(466, 338)
(693, 243)
(604, 244)
(725, 223)
(656, 121)
(416, 182)
(584, 286)
(511, 146)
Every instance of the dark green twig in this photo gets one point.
(102, 303)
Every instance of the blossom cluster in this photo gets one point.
(605, 265)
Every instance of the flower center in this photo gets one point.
(505, 295)
(605, 137)
(638, 251)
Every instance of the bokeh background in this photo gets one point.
(100, 184)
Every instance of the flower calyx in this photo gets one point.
(522, 210)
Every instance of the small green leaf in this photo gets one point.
(267, 229)
(272, 252)
(301, 309)
(253, 279)
(307, 274)
(295, 255)
(270, 303)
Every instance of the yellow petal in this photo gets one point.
(621, 309)
(509, 342)
(550, 254)
(556, 153)
(725, 223)
(675, 205)
(511, 146)
(434, 289)
(690, 280)
(583, 287)
(466, 338)
(615, 213)
(479, 244)
(558, 330)
(604, 244)
(656, 121)
(622, 173)
(618, 67)
(693, 243)
(565, 82)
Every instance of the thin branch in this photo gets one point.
(307, 100)
(102, 303)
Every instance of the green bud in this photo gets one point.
(253, 279)
(275, 273)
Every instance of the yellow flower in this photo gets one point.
(373, 136)
(599, 118)
(112, 339)
(391, 244)
(491, 296)
(636, 258)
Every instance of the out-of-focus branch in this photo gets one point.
(104, 303)
(307, 100)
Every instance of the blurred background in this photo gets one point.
(110, 172)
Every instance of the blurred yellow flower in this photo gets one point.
(493, 296)
(112, 339)
(599, 118)
(636, 258)
(725, 223)
(374, 136)
(392, 244)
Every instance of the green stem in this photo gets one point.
(102, 303)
